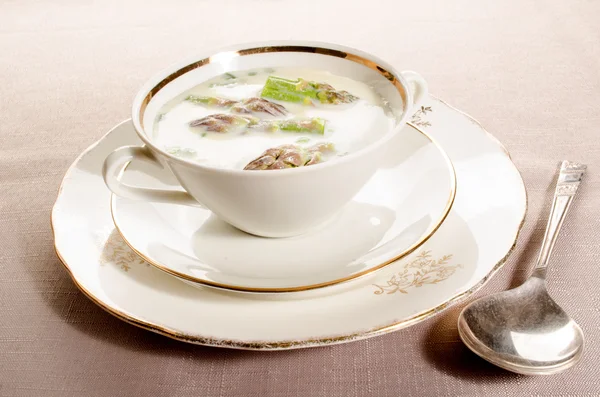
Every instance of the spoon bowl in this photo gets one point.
(522, 330)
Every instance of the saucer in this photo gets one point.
(401, 207)
(470, 246)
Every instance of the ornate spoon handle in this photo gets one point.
(566, 187)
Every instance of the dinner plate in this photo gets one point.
(468, 248)
(401, 206)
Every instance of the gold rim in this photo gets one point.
(294, 344)
(341, 280)
(391, 77)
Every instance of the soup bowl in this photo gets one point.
(273, 203)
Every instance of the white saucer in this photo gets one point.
(394, 214)
(458, 259)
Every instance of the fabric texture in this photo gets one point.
(527, 70)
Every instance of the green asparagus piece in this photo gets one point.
(297, 91)
(313, 126)
(211, 101)
(302, 91)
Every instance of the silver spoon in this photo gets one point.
(523, 330)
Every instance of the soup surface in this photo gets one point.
(264, 119)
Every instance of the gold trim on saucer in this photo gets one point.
(354, 276)
(298, 343)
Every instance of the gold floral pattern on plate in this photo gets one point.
(418, 117)
(115, 251)
(423, 269)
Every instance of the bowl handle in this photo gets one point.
(113, 166)
(417, 84)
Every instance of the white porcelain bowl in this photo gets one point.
(275, 203)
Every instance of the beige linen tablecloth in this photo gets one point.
(529, 71)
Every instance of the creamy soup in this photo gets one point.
(265, 119)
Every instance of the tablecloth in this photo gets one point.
(527, 70)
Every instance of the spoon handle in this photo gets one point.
(566, 187)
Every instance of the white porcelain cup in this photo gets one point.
(277, 203)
